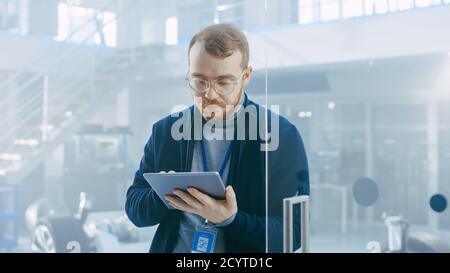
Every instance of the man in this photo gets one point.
(217, 75)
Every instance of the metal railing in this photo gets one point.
(77, 94)
(44, 57)
(288, 223)
(66, 89)
(63, 83)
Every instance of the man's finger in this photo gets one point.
(189, 199)
(203, 198)
(230, 195)
(178, 204)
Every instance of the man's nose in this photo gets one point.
(211, 93)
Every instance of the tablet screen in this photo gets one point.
(209, 183)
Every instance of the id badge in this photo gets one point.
(204, 239)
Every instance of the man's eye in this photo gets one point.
(224, 83)
(199, 80)
(200, 83)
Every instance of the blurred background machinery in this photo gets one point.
(366, 82)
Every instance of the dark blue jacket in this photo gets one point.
(287, 172)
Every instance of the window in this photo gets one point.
(108, 19)
(229, 11)
(329, 10)
(426, 3)
(306, 11)
(405, 4)
(86, 25)
(369, 6)
(381, 6)
(310, 11)
(352, 8)
(171, 30)
(9, 14)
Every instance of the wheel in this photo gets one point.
(42, 208)
(63, 234)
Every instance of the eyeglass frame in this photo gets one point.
(209, 85)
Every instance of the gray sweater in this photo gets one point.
(215, 151)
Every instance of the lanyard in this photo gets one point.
(222, 167)
(227, 155)
(225, 160)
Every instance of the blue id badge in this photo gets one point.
(204, 239)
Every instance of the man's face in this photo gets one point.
(205, 66)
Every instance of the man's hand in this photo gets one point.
(194, 201)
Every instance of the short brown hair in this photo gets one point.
(222, 40)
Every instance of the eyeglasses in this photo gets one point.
(221, 86)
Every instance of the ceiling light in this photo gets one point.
(10, 157)
(331, 105)
(26, 142)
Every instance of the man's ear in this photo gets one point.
(247, 75)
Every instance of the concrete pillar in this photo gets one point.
(45, 124)
(369, 152)
(128, 25)
(122, 108)
(433, 158)
(53, 176)
(11, 113)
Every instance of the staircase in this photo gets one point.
(49, 107)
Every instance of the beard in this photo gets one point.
(212, 109)
(212, 103)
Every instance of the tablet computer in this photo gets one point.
(209, 183)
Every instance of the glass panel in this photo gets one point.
(371, 151)
(360, 129)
